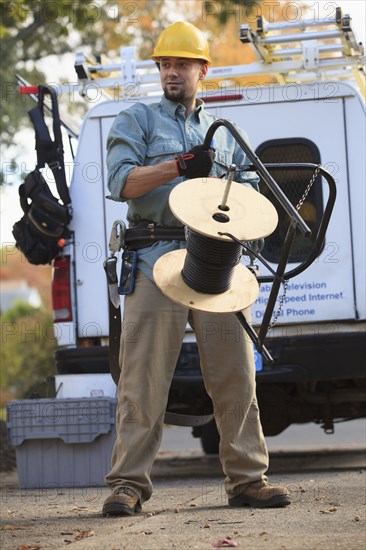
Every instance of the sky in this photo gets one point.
(10, 210)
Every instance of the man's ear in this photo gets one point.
(203, 71)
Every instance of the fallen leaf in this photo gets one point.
(193, 504)
(263, 533)
(207, 526)
(356, 518)
(222, 543)
(84, 534)
(29, 547)
(176, 510)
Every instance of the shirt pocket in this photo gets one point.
(163, 149)
(223, 160)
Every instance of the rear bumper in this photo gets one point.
(296, 359)
(320, 357)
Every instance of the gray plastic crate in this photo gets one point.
(62, 442)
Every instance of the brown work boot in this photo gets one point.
(261, 494)
(122, 502)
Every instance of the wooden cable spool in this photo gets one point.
(198, 203)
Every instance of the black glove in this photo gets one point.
(197, 163)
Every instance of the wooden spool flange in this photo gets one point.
(248, 216)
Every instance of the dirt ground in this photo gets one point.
(188, 510)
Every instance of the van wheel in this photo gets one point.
(210, 438)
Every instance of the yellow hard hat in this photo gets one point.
(181, 40)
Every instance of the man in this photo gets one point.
(145, 149)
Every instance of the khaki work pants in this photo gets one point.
(152, 334)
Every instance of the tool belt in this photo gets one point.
(147, 233)
(144, 234)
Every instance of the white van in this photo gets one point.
(318, 340)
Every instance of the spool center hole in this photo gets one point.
(220, 217)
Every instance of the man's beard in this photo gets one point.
(177, 97)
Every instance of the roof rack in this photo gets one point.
(307, 49)
(291, 52)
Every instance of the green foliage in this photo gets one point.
(31, 30)
(19, 309)
(27, 350)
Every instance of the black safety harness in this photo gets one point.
(42, 231)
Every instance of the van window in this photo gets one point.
(293, 183)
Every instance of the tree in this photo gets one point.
(30, 30)
(27, 350)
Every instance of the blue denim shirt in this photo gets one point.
(145, 135)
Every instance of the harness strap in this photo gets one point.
(50, 151)
(114, 315)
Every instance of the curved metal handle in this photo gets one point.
(266, 176)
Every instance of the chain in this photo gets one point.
(285, 284)
(309, 186)
(282, 301)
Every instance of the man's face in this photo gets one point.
(180, 77)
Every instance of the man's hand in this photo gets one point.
(197, 163)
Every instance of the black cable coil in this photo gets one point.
(209, 263)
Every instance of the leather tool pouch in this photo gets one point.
(39, 234)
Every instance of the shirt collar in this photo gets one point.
(171, 107)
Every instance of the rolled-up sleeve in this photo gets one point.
(125, 150)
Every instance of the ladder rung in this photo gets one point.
(299, 24)
(286, 52)
(301, 36)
